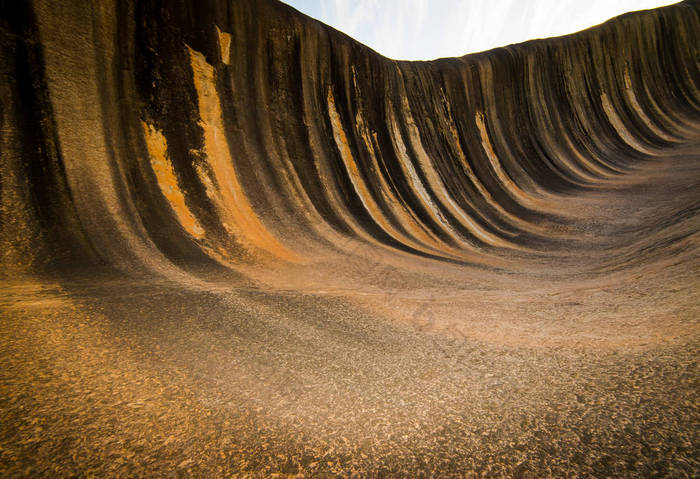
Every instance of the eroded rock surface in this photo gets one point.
(234, 241)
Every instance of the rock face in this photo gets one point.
(141, 136)
(304, 257)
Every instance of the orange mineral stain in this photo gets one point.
(358, 182)
(619, 125)
(226, 190)
(167, 181)
(510, 186)
(224, 46)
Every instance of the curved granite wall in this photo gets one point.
(153, 137)
(236, 243)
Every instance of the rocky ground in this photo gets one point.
(588, 370)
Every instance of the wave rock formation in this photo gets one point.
(234, 240)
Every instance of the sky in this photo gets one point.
(429, 29)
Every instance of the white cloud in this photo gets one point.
(422, 29)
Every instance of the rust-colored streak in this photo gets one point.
(224, 46)
(438, 187)
(167, 181)
(619, 125)
(228, 192)
(506, 181)
(358, 182)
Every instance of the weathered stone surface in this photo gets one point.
(235, 241)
